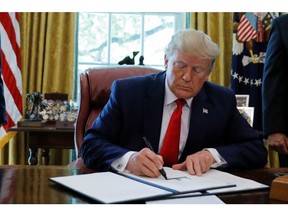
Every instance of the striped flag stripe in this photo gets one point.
(249, 32)
(2, 132)
(15, 22)
(243, 25)
(245, 31)
(10, 122)
(12, 109)
(10, 80)
(10, 56)
(249, 35)
(11, 73)
(9, 21)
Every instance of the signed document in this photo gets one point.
(182, 182)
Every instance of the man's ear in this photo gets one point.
(165, 62)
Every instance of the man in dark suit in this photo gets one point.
(275, 89)
(213, 132)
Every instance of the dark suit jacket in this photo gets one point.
(135, 110)
(275, 79)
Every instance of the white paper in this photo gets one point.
(108, 187)
(242, 184)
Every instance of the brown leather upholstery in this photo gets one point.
(95, 86)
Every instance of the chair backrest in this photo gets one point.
(95, 86)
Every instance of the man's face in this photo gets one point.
(186, 74)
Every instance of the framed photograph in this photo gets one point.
(242, 100)
(247, 113)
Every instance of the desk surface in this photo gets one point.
(30, 185)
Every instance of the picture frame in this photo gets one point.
(242, 100)
(247, 113)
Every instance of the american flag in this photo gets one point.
(247, 28)
(11, 73)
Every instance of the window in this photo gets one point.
(107, 38)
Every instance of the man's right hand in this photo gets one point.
(145, 163)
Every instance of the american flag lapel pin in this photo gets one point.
(205, 110)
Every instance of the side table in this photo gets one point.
(45, 137)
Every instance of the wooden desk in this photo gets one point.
(46, 137)
(30, 185)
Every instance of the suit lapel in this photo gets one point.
(154, 109)
(198, 121)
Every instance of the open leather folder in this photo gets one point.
(109, 187)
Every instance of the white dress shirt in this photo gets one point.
(168, 108)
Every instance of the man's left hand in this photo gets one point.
(196, 164)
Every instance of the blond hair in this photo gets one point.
(193, 42)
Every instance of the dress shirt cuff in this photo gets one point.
(120, 163)
(220, 161)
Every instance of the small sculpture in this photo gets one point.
(141, 60)
(127, 60)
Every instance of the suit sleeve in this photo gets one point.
(244, 148)
(243, 145)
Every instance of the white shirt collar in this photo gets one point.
(170, 97)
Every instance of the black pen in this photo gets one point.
(162, 171)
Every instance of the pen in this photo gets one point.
(162, 171)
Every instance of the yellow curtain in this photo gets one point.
(47, 65)
(219, 26)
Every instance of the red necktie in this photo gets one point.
(170, 147)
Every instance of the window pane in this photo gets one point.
(125, 34)
(92, 38)
(158, 32)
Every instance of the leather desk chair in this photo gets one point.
(95, 86)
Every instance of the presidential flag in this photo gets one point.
(11, 73)
(250, 38)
